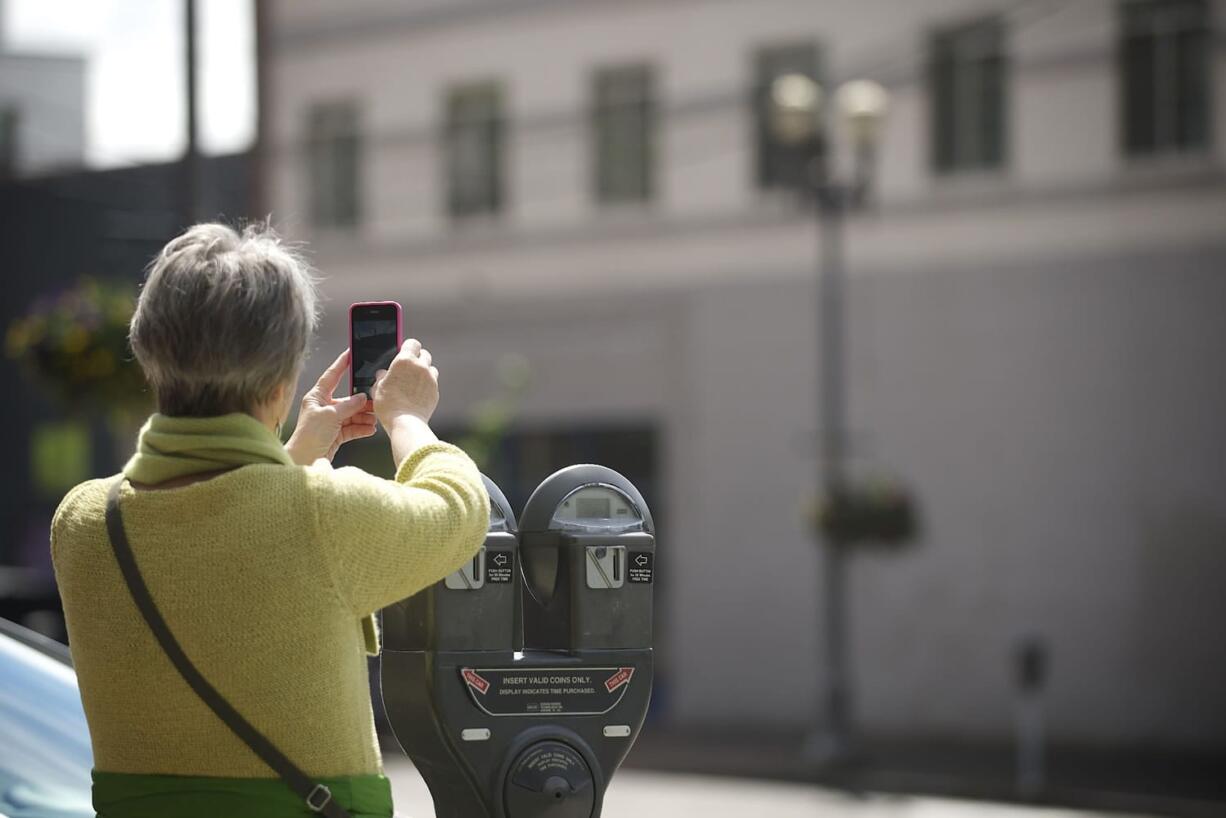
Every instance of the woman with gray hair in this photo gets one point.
(265, 562)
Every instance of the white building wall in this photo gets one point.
(1031, 348)
(1065, 114)
(1060, 421)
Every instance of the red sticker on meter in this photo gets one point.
(621, 677)
(475, 681)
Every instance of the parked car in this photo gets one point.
(45, 756)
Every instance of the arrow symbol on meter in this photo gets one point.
(640, 560)
(500, 559)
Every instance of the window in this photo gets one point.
(1164, 75)
(967, 91)
(623, 118)
(474, 146)
(779, 165)
(8, 142)
(334, 164)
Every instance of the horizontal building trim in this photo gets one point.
(35, 56)
(897, 71)
(349, 26)
(498, 236)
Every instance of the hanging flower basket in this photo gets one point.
(75, 346)
(867, 512)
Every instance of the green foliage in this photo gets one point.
(492, 417)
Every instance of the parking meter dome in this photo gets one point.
(545, 512)
(501, 517)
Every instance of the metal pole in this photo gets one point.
(189, 206)
(258, 195)
(831, 378)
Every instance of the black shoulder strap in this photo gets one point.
(316, 796)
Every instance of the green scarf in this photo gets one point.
(170, 447)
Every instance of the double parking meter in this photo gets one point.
(518, 684)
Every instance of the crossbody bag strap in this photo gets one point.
(316, 796)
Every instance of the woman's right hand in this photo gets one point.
(408, 387)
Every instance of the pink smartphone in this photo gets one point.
(376, 332)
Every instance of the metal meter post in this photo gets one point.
(587, 547)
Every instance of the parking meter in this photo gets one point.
(588, 560)
(504, 725)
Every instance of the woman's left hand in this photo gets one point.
(324, 422)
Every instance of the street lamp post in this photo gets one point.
(799, 122)
(189, 193)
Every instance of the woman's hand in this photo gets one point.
(324, 423)
(406, 394)
(409, 386)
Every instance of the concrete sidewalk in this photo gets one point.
(639, 794)
(1132, 780)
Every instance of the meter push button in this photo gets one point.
(606, 566)
(469, 577)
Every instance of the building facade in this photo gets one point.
(42, 110)
(1034, 319)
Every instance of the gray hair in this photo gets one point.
(223, 319)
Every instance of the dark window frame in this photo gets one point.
(618, 109)
(1164, 75)
(969, 72)
(464, 198)
(10, 144)
(776, 165)
(334, 158)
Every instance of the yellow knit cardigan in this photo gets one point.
(264, 573)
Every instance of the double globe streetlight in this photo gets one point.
(800, 124)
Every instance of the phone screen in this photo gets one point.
(373, 343)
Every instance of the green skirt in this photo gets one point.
(121, 795)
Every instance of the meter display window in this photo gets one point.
(597, 508)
